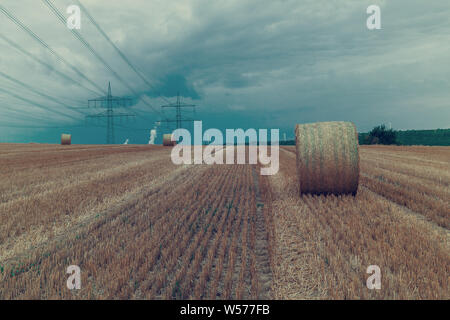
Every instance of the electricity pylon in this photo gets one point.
(110, 103)
(178, 118)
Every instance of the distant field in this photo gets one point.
(140, 227)
(437, 137)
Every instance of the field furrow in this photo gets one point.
(140, 227)
(323, 245)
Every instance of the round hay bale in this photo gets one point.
(167, 140)
(327, 157)
(66, 139)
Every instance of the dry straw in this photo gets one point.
(167, 140)
(327, 157)
(66, 139)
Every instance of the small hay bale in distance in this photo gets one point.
(167, 140)
(66, 139)
(327, 157)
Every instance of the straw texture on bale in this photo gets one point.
(327, 158)
(66, 139)
(167, 140)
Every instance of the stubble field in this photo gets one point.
(140, 227)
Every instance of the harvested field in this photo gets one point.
(323, 244)
(140, 227)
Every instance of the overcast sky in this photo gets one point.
(246, 64)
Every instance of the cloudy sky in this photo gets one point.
(244, 63)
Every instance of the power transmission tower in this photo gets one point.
(178, 117)
(110, 103)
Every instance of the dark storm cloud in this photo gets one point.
(270, 63)
(172, 85)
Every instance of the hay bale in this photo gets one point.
(66, 139)
(167, 140)
(327, 158)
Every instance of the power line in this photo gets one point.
(45, 64)
(119, 52)
(60, 58)
(110, 102)
(19, 115)
(8, 125)
(45, 45)
(178, 106)
(87, 45)
(83, 41)
(38, 92)
(91, 49)
(38, 105)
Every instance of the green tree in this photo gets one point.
(381, 135)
